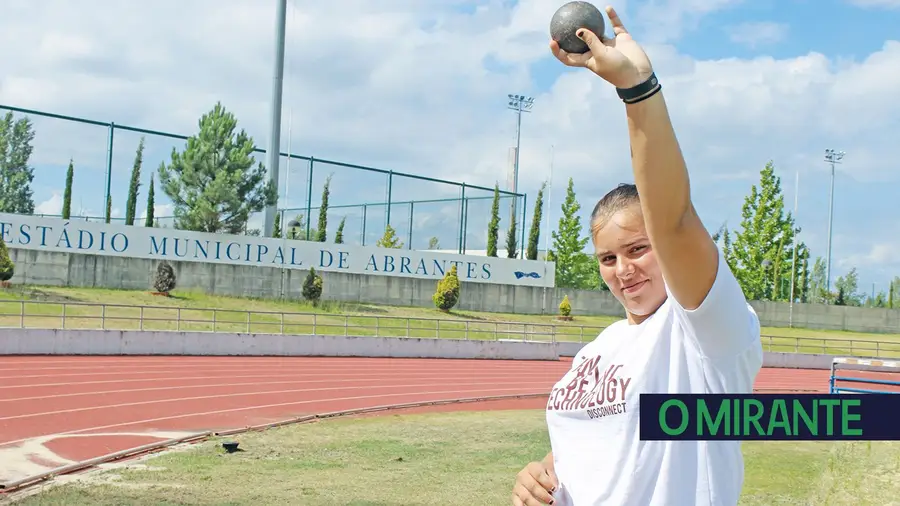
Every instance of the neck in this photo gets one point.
(634, 319)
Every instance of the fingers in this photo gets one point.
(546, 480)
(594, 43)
(534, 485)
(554, 480)
(569, 59)
(618, 27)
(524, 497)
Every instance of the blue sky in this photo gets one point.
(420, 87)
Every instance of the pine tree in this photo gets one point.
(565, 308)
(339, 233)
(135, 184)
(67, 193)
(16, 176)
(148, 220)
(389, 239)
(818, 292)
(216, 183)
(767, 233)
(312, 286)
(534, 235)
(276, 227)
(322, 227)
(568, 245)
(848, 288)
(164, 282)
(494, 224)
(512, 242)
(7, 267)
(802, 281)
(447, 294)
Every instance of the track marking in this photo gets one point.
(444, 379)
(351, 373)
(481, 391)
(231, 370)
(235, 394)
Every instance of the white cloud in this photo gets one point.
(51, 206)
(755, 34)
(420, 86)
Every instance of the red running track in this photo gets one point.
(60, 410)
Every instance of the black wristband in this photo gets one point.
(641, 98)
(635, 92)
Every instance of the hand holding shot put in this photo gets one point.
(618, 60)
(688, 326)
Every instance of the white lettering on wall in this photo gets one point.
(73, 236)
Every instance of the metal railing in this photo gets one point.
(81, 315)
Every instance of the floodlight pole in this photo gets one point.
(520, 104)
(832, 157)
(274, 149)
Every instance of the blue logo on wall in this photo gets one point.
(520, 275)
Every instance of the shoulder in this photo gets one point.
(724, 323)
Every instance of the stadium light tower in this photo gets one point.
(832, 157)
(520, 104)
(273, 151)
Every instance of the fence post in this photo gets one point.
(390, 189)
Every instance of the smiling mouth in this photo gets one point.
(633, 287)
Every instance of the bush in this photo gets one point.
(565, 307)
(312, 286)
(447, 294)
(7, 267)
(165, 278)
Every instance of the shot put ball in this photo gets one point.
(570, 18)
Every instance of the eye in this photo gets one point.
(638, 248)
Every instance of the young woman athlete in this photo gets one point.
(689, 328)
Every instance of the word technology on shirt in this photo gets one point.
(800, 417)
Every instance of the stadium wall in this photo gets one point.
(168, 343)
(98, 271)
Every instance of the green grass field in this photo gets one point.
(192, 311)
(442, 459)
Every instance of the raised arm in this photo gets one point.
(686, 253)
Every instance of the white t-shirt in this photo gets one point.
(593, 414)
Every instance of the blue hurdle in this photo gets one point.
(862, 364)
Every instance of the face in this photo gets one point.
(628, 263)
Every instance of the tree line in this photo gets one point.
(215, 184)
(764, 253)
